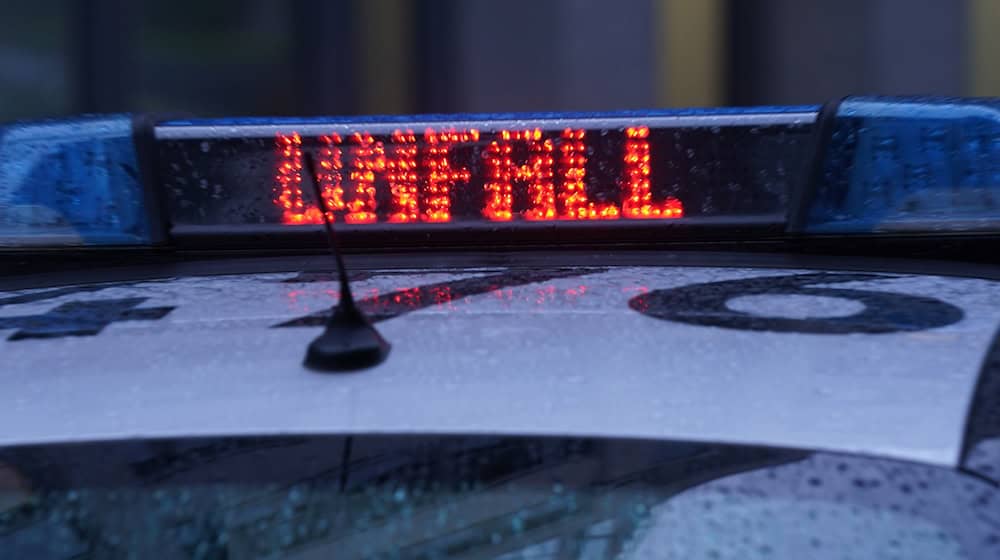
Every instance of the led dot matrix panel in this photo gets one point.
(549, 169)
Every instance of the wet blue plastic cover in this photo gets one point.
(71, 182)
(909, 164)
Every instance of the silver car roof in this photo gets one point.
(568, 353)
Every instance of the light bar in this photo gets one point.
(864, 165)
(486, 169)
(72, 182)
(905, 165)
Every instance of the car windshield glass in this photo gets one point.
(481, 497)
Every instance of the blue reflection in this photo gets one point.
(490, 117)
(72, 182)
(911, 164)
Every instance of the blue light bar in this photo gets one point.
(71, 182)
(504, 173)
(879, 165)
(907, 165)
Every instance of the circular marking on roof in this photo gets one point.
(708, 304)
(795, 306)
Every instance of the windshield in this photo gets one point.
(481, 497)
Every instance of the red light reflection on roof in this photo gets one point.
(381, 303)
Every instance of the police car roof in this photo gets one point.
(727, 349)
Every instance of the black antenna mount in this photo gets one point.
(350, 342)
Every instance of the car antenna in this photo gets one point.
(350, 342)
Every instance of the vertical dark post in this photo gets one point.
(325, 56)
(435, 47)
(918, 46)
(101, 53)
(790, 52)
(746, 32)
(524, 55)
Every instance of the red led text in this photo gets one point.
(421, 173)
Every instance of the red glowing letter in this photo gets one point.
(288, 188)
(638, 198)
(440, 176)
(369, 158)
(541, 191)
(402, 176)
(330, 177)
(501, 173)
(573, 194)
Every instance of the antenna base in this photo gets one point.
(349, 343)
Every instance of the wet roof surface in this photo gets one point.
(876, 363)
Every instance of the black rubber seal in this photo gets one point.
(144, 140)
(801, 199)
(479, 235)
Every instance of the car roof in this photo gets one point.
(878, 363)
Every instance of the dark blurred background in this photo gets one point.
(292, 57)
